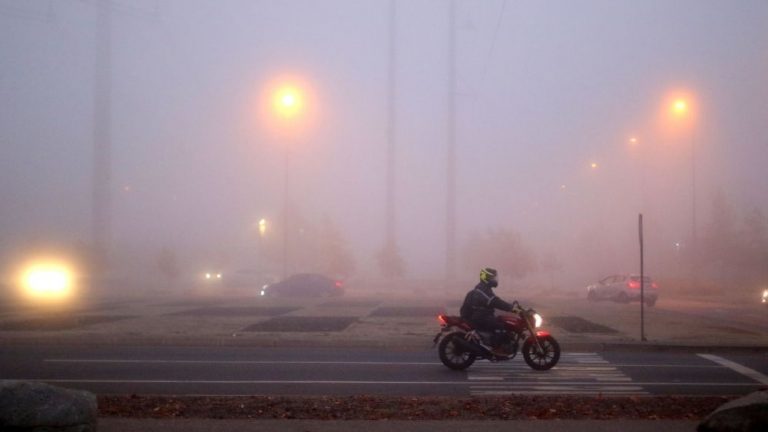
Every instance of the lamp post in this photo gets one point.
(262, 227)
(681, 110)
(288, 104)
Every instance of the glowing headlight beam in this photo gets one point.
(47, 281)
(537, 320)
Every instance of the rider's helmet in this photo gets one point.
(488, 275)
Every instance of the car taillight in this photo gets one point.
(633, 284)
(339, 284)
(654, 286)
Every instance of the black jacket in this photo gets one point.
(480, 303)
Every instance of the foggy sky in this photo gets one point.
(543, 90)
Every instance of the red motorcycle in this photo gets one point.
(459, 344)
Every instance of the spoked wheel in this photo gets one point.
(453, 355)
(543, 358)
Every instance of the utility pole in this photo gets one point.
(101, 210)
(390, 245)
(450, 201)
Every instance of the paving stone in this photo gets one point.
(574, 324)
(412, 311)
(238, 311)
(60, 322)
(302, 324)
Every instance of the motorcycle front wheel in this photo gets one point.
(544, 358)
(453, 355)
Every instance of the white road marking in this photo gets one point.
(264, 362)
(561, 387)
(750, 373)
(578, 373)
(229, 382)
(655, 384)
(521, 366)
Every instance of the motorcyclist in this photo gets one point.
(479, 306)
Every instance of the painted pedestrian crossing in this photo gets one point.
(576, 373)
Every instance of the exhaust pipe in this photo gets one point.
(471, 347)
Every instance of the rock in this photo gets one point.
(32, 406)
(746, 414)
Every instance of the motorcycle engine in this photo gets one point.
(510, 347)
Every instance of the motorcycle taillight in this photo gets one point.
(442, 320)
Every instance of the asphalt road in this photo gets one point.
(345, 371)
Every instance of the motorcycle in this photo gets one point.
(459, 344)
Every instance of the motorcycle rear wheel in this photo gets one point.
(543, 359)
(453, 355)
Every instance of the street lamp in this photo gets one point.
(287, 101)
(680, 109)
(262, 227)
(288, 108)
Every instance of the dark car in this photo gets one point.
(304, 285)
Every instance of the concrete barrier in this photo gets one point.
(32, 406)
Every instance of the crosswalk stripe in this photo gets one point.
(578, 373)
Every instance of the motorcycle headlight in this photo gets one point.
(537, 319)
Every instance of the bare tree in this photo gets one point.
(500, 248)
(168, 266)
(390, 262)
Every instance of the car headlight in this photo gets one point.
(47, 281)
(537, 319)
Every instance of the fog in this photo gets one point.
(541, 92)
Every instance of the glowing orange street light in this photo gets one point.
(680, 107)
(262, 227)
(287, 102)
(593, 165)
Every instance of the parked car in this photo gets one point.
(304, 285)
(624, 288)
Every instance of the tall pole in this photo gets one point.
(693, 190)
(390, 240)
(286, 205)
(450, 202)
(102, 146)
(694, 236)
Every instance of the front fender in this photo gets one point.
(539, 334)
